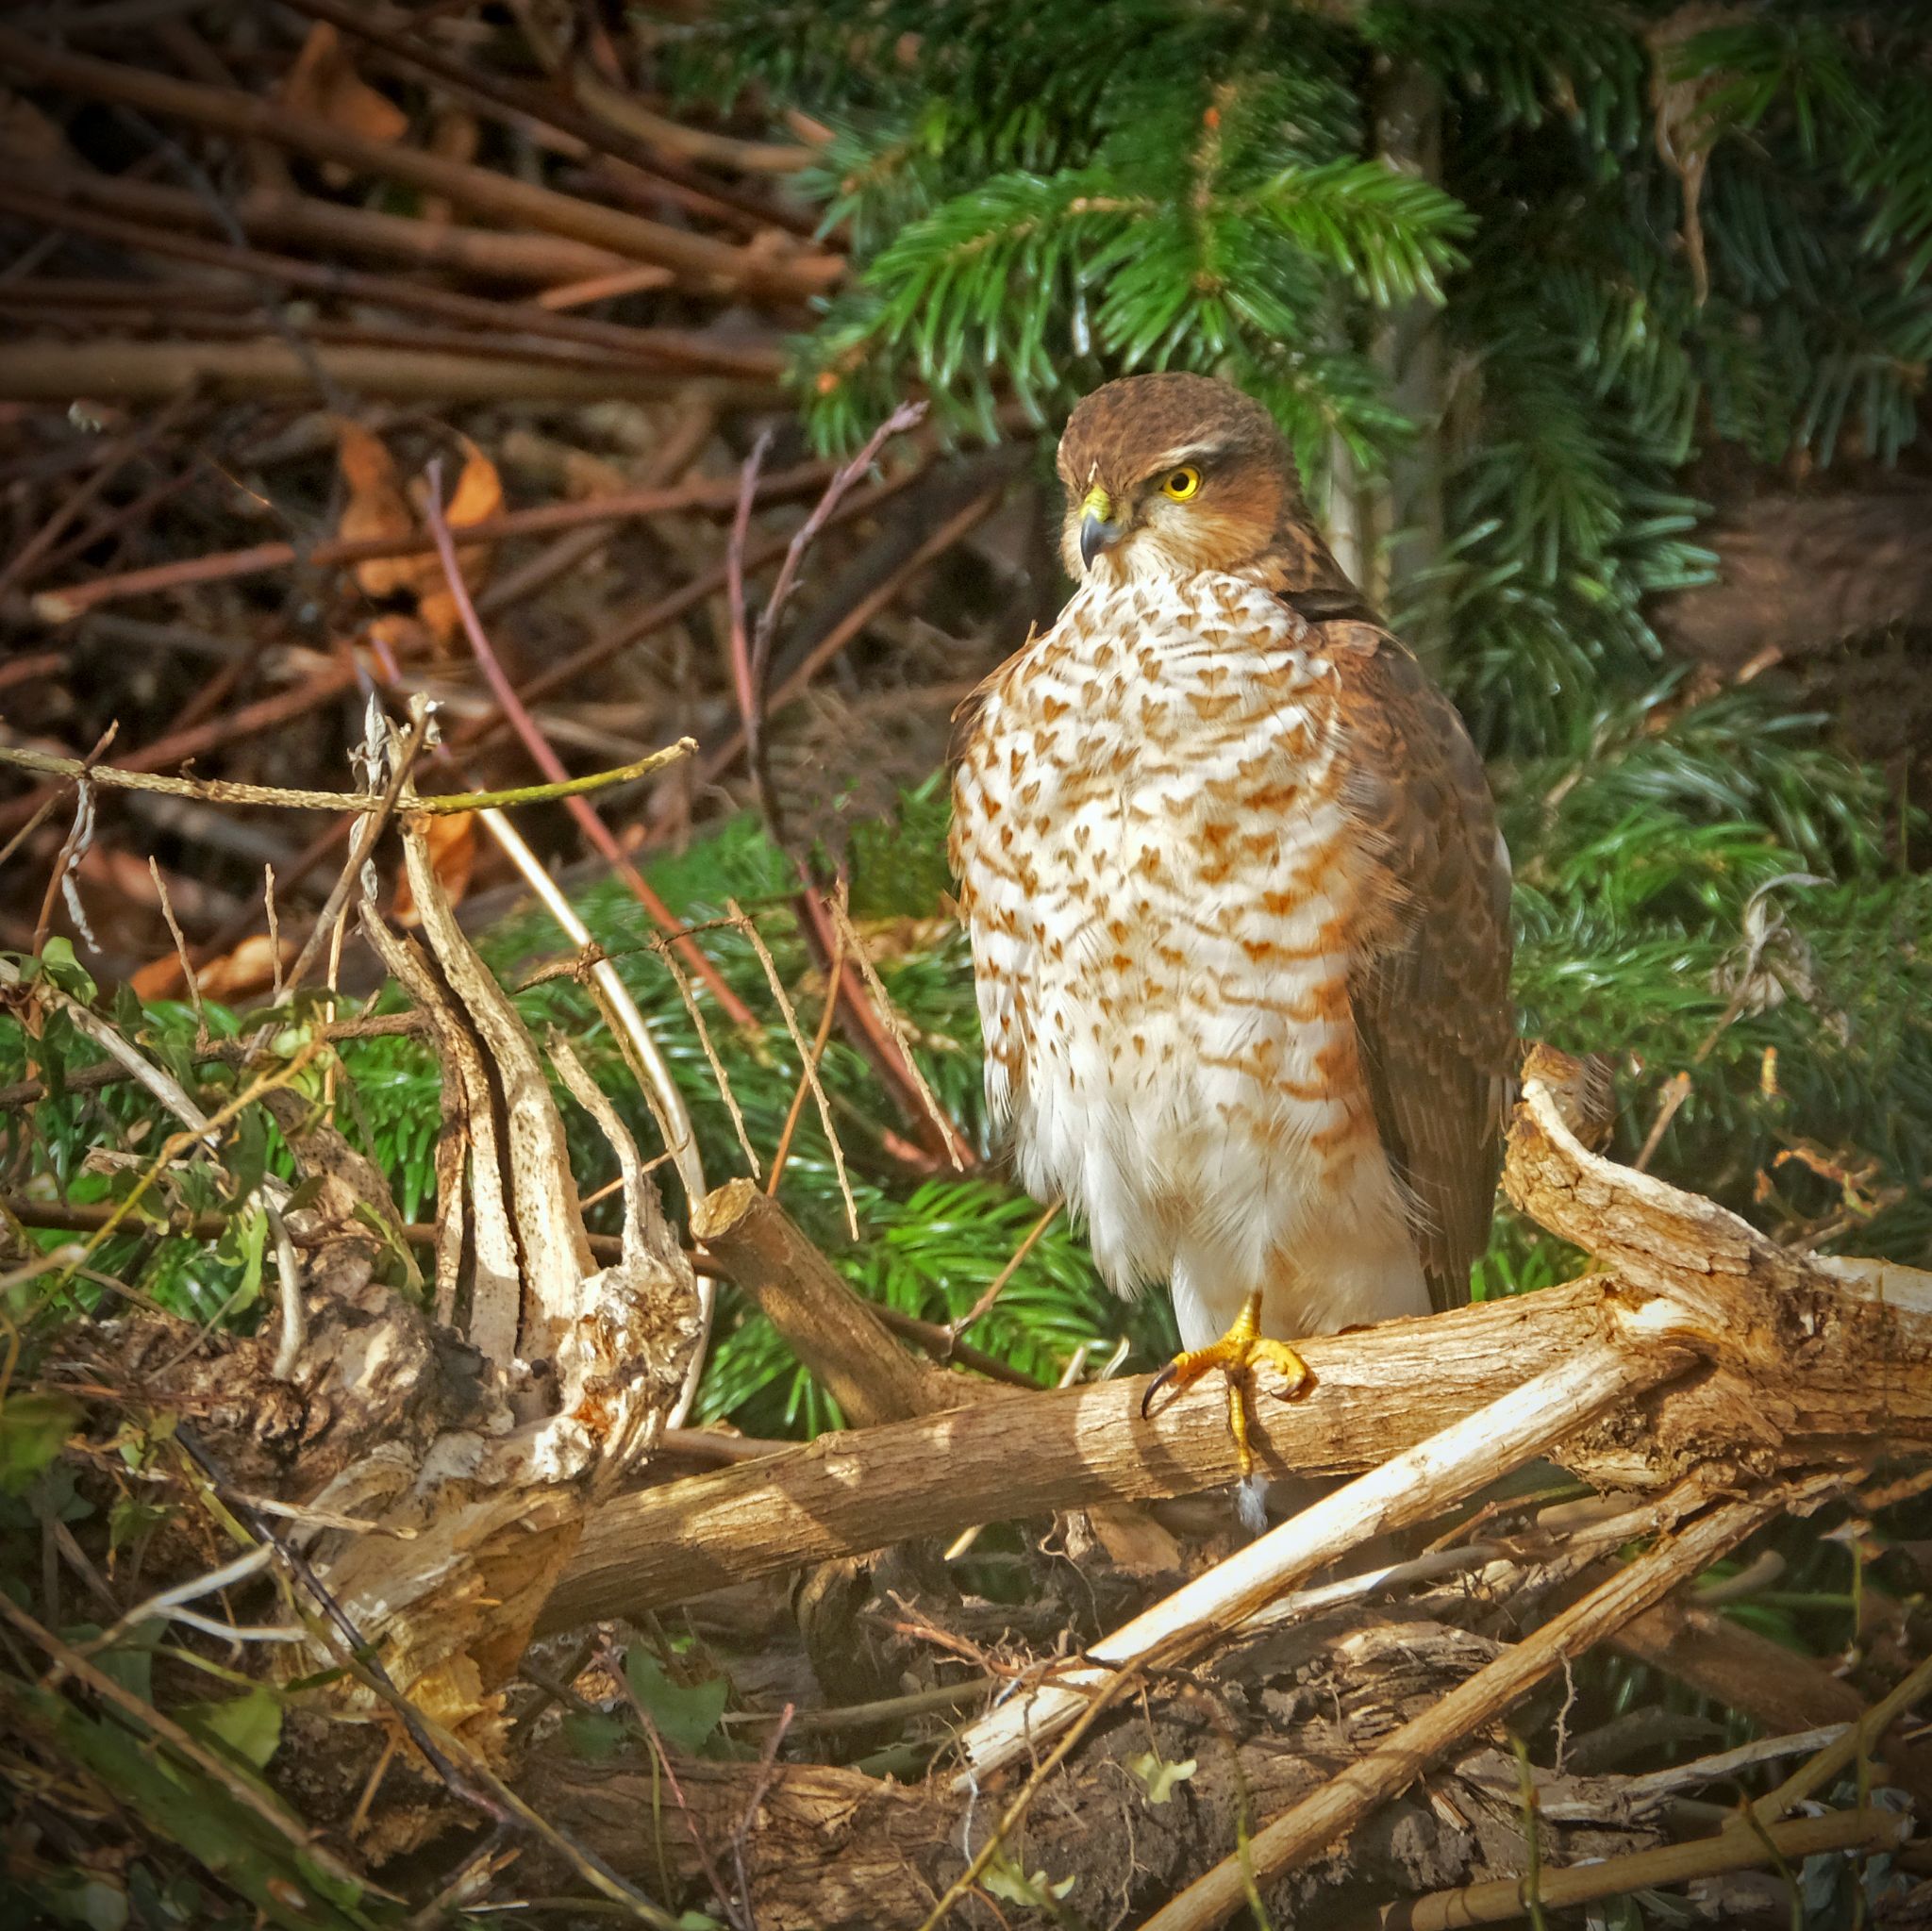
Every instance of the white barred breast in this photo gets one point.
(1160, 878)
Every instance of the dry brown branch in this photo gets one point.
(674, 348)
(177, 748)
(1851, 1372)
(695, 143)
(714, 264)
(223, 791)
(832, 1331)
(1530, 1419)
(281, 214)
(60, 606)
(1759, 1678)
(130, 370)
(1394, 1765)
(1506, 1898)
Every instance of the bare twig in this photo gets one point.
(551, 765)
(808, 1061)
(1501, 1899)
(368, 830)
(792, 1113)
(498, 196)
(1393, 1764)
(61, 606)
(889, 1014)
(629, 1027)
(1006, 1274)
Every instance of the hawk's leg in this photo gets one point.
(1235, 1354)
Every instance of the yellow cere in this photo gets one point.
(1180, 484)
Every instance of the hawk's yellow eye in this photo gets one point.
(1180, 484)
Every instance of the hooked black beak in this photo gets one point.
(1096, 533)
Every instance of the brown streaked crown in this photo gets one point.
(1121, 433)
(1247, 516)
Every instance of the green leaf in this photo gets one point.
(685, 1714)
(131, 1516)
(249, 1725)
(594, 1737)
(1009, 1882)
(63, 970)
(33, 1426)
(242, 1245)
(1158, 1776)
(78, 1897)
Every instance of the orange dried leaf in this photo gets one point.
(376, 508)
(250, 968)
(324, 82)
(478, 494)
(452, 843)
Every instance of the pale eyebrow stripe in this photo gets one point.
(1186, 452)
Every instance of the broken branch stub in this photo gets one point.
(829, 1326)
(572, 1367)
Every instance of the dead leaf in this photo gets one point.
(324, 83)
(237, 975)
(478, 494)
(454, 136)
(376, 508)
(248, 969)
(452, 843)
(1134, 1540)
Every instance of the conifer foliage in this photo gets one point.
(1652, 246)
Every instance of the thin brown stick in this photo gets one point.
(37, 550)
(679, 348)
(808, 1063)
(597, 132)
(1346, 1799)
(551, 765)
(369, 829)
(667, 610)
(1503, 1899)
(1861, 1740)
(175, 932)
(281, 214)
(826, 1016)
(380, 365)
(621, 111)
(948, 1132)
(250, 721)
(443, 804)
(1018, 1259)
(60, 606)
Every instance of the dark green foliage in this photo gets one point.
(1659, 253)
(1043, 195)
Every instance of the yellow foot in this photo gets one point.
(1235, 1354)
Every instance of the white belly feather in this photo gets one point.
(1159, 881)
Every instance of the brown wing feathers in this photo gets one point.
(1430, 987)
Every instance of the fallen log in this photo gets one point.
(1804, 1363)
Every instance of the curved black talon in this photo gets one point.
(1155, 1387)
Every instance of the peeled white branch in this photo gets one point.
(1417, 1484)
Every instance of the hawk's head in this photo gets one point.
(1172, 474)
